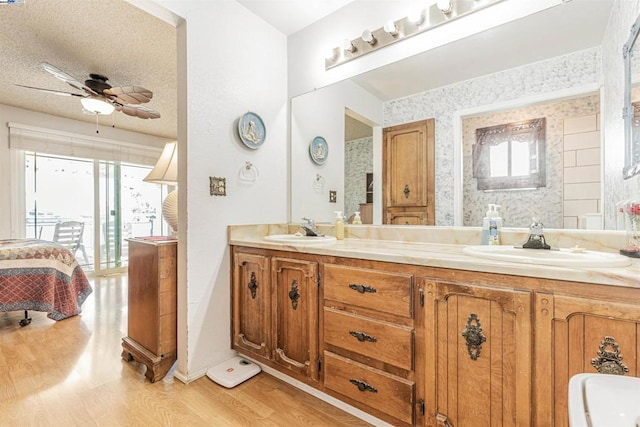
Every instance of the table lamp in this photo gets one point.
(166, 172)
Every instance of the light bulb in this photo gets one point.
(330, 53)
(391, 28)
(347, 46)
(445, 6)
(368, 37)
(416, 17)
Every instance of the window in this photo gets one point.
(510, 156)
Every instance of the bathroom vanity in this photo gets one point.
(416, 332)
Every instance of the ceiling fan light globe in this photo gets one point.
(97, 106)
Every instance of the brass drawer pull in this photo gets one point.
(609, 360)
(294, 295)
(362, 336)
(362, 288)
(253, 285)
(362, 386)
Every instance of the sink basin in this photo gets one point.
(603, 400)
(299, 239)
(562, 257)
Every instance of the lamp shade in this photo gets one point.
(166, 172)
(166, 169)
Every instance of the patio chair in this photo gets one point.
(69, 234)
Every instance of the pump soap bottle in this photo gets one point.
(495, 224)
(339, 225)
(484, 237)
(356, 218)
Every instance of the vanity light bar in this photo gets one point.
(404, 28)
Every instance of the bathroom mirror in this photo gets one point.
(440, 84)
(630, 115)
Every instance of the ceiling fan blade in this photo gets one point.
(129, 94)
(139, 111)
(55, 92)
(61, 75)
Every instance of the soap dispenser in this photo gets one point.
(339, 225)
(495, 226)
(484, 237)
(356, 218)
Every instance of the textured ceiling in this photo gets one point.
(108, 37)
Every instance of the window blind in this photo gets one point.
(53, 141)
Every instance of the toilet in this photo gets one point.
(602, 400)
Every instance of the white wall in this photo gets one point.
(321, 113)
(307, 47)
(623, 15)
(230, 62)
(9, 229)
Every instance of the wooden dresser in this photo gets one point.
(151, 338)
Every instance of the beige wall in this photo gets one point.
(581, 191)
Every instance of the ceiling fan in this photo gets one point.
(100, 98)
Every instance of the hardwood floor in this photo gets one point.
(70, 373)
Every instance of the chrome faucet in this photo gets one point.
(309, 226)
(536, 236)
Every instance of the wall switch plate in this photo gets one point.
(217, 186)
(333, 196)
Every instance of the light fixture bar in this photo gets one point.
(433, 17)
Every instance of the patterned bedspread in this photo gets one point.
(42, 276)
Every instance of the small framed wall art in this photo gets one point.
(319, 150)
(251, 130)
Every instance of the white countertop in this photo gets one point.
(431, 254)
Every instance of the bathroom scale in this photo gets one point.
(232, 372)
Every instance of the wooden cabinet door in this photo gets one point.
(409, 176)
(295, 315)
(251, 304)
(481, 366)
(406, 217)
(579, 335)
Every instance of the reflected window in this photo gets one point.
(510, 156)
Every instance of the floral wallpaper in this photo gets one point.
(518, 207)
(623, 15)
(573, 70)
(358, 161)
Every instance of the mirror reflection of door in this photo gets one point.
(409, 173)
(358, 169)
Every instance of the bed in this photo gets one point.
(40, 275)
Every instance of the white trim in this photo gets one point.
(53, 141)
(458, 115)
(18, 214)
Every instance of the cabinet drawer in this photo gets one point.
(377, 389)
(371, 289)
(382, 341)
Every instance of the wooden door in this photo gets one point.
(579, 335)
(251, 304)
(481, 366)
(295, 315)
(409, 171)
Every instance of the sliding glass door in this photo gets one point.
(109, 200)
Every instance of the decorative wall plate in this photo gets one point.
(319, 150)
(251, 130)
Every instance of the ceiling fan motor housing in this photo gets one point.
(97, 83)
